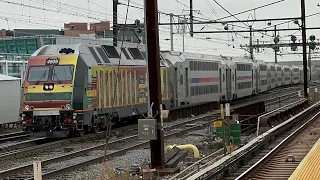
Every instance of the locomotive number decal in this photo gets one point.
(52, 61)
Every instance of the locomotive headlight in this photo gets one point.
(68, 106)
(46, 87)
(26, 107)
(51, 87)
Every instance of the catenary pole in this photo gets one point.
(304, 47)
(153, 58)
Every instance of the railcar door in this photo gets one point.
(257, 80)
(228, 84)
(187, 82)
(176, 86)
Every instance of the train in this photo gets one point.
(76, 89)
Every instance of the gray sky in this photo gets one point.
(21, 16)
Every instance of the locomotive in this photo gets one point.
(75, 89)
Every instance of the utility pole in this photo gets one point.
(115, 22)
(304, 46)
(251, 48)
(275, 50)
(153, 59)
(183, 32)
(191, 18)
(171, 31)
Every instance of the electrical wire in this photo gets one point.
(115, 86)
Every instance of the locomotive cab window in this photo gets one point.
(62, 73)
(38, 73)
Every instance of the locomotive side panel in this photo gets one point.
(124, 92)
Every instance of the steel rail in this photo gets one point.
(280, 145)
(253, 145)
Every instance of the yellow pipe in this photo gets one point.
(187, 146)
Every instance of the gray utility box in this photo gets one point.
(147, 129)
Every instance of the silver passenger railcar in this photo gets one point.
(287, 75)
(243, 77)
(263, 76)
(272, 76)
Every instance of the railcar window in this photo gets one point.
(199, 66)
(273, 68)
(96, 57)
(263, 68)
(48, 96)
(111, 51)
(181, 79)
(192, 91)
(62, 73)
(197, 90)
(263, 82)
(244, 85)
(38, 73)
(243, 67)
(191, 65)
(195, 65)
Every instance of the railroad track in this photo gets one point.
(285, 155)
(224, 166)
(96, 152)
(43, 148)
(13, 136)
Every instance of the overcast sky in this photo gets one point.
(18, 14)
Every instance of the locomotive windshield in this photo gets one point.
(38, 73)
(58, 73)
(62, 73)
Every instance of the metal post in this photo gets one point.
(251, 48)
(184, 31)
(304, 46)
(153, 54)
(191, 18)
(223, 129)
(275, 51)
(171, 31)
(115, 22)
(309, 62)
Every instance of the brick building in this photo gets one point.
(76, 29)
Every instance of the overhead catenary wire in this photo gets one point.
(115, 86)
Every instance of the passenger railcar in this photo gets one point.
(272, 76)
(287, 75)
(244, 77)
(279, 74)
(263, 76)
(296, 76)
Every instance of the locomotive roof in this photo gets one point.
(95, 55)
